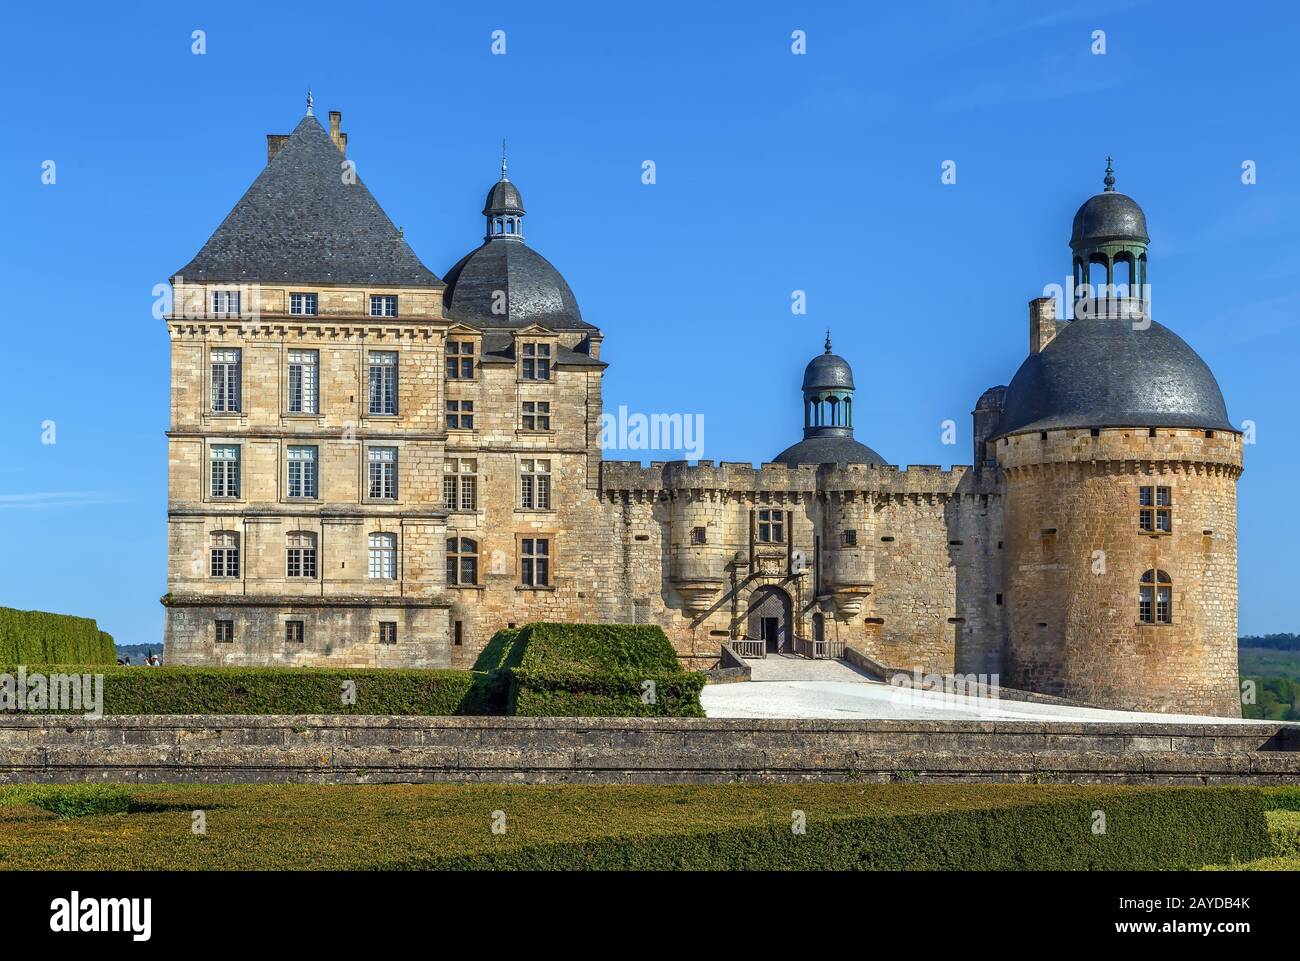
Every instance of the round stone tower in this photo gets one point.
(1120, 466)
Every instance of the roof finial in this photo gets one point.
(828, 340)
(503, 159)
(1110, 176)
(309, 103)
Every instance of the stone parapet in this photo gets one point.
(321, 749)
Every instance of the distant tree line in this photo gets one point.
(1275, 642)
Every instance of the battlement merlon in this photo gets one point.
(627, 477)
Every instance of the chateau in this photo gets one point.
(373, 466)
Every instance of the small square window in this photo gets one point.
(850, 538)
(699, 535)
(293, 632)
(225, 631)
(460, 415)
(383, 305)
(771, 526)
(537, 415)
(225, 303)
(303, 305)
(387, 632)
(460, 360)
(536, 362)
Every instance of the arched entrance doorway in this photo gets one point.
(769, 619)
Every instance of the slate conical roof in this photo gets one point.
(300, 222)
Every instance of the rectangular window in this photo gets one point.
(383, 472)
(383, 305)
(302, 471)
(462, 561)
(536, 362)
(771, 527)
(1164, 605)
(383, 556)
(850, 538)
(460, 484)
(387, 632)
(225, 554)
(302, 304)
(460, 360)
(225, 471)
(225, 631)
(535, 561)
(535, 485)
(225, 380)
(293, 632)
(698, 535)
(383, 382)
(537, 415)
(301, 555)
(225, 303)
(460, 415)
(1155, 513)
(304, 376)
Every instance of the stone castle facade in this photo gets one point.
(374, 466)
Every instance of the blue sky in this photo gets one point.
(775, 173)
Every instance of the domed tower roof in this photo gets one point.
(828, 371)
(828, 416)
(503, 198)
(534, 291)
(1108, 367)
(1101, 372)
(1108, 218)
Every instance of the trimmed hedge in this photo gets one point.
(598, 670)
(556, 693)
(300, 690)
(1167, 829)
(37, 637)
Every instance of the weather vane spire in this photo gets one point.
(828, 340)
(503, 158)
(1110, 175)
(309, 102)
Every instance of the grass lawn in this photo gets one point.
(709, 827)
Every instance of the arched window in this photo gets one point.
(1156, 598)
(462, 561)
(383, 556)
(300, 554)
(225, 554)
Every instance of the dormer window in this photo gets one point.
(536, 361)
(303, 305)
(460, 360)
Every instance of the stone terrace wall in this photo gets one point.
(212, 749)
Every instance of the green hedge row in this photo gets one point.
(37, 637)
(599, 647)
(558, 693)
(303, 690)
(596, 670)
(1158, 830)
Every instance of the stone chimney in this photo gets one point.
(339, 137)
(1042, 323)
(274, 141)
